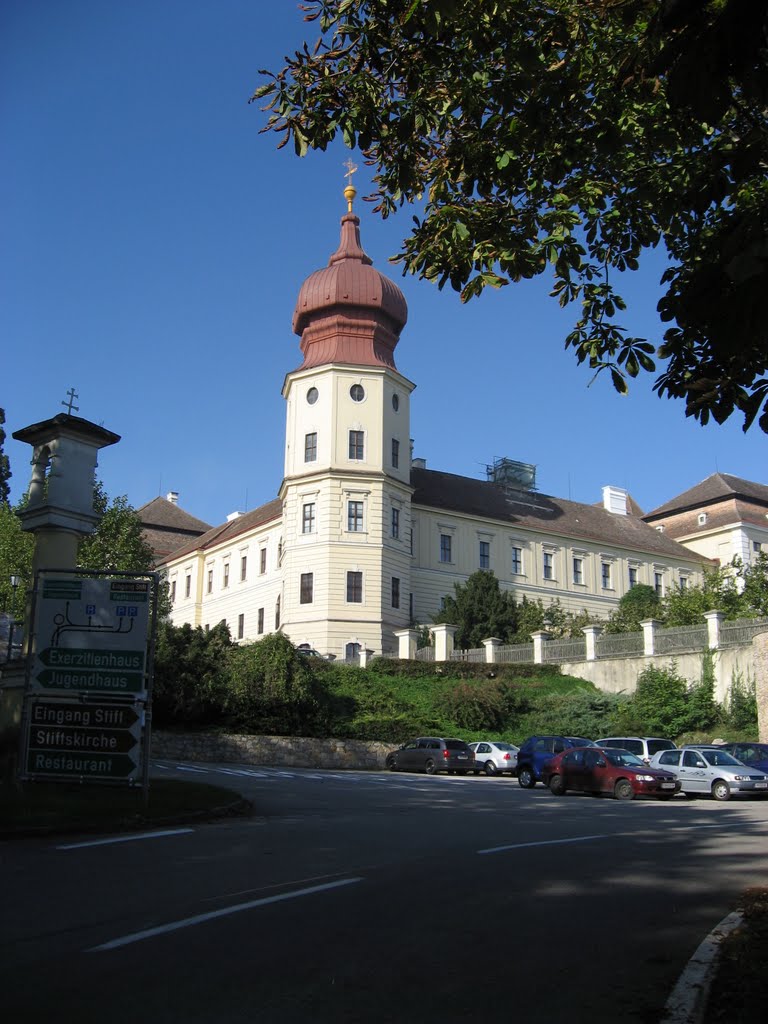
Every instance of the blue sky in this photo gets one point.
(154, 243)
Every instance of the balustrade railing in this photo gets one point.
(681, 638)
(619, 645)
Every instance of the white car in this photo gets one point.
(712, 771)
(495, 757)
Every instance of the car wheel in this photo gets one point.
(623, 790)
(490, 768)
(430, 767)
(526, 778)
(556, 786)
(721, 790)
(391, 763)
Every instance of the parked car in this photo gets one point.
(642, 746)
(754, 755)
(432, 754)
(536, 750)
(495, 757)
(710, 770)
(605, 770)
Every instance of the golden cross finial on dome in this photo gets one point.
(350, 191)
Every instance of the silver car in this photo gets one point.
(710, 770)
(495, 757)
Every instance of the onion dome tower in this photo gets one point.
(346, 492)
(348, 312)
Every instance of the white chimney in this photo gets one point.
(173, 497)
(615, 500)
(419, 463)
(234, 515)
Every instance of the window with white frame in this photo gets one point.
(310, 447)
(446, 542)
(632, 576)
(355, 516)
(308, 517)
(277, 613)
(578, 570)
(209, 582)
(307, 588)
(683, 582)
(225, 577)
(240, 626)
(355, 587)
(262, 561)
(395, 453)
(517, 561)
(549, 565)
(357, 445)
(702, 518)
(395, 592)
(658, 583)
(260, 617)
(243, 568)
(396, 523)
(187, 585)
(605, 575)
(485, 554)
(173, 591)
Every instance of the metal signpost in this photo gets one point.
(86, 713)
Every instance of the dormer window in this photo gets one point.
(702, 518)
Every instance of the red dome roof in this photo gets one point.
(348, 312)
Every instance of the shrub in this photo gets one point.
(742, 705)
(659, 706)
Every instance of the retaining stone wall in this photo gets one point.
(275, 751)
(760, 645)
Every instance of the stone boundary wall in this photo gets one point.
(760, 644)
(619, 675)
(274, 751)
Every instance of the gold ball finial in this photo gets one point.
(350, 191)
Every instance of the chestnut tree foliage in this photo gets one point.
(549, 136)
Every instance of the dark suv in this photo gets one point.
(432, 754)
(537, 750)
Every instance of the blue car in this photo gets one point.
(537, 750)
(753, 754)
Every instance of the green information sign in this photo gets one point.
(94, 766)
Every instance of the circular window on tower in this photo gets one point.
(357, 392)
(395, 402)
(312, 396)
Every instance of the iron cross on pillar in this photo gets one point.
(71, 395)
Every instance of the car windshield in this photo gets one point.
(579, 741)
(623, 759)
(718, 758)
(654, 746)
(455, 745)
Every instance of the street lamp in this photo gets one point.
(12, 620)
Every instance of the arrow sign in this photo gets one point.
(81, 741)
(90, 679)
(86, 658)
(86, 716)
(94, 766)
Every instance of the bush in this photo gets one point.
(742, 705)
(191, 674)
(659, 706)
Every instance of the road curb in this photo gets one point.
(688, 1001)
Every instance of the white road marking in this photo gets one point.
(126, 839)
(188, 922)
(542, 842)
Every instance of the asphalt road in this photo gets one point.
(369, 897)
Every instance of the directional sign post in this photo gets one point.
(95, 740)
(88, 683)
(91, 636)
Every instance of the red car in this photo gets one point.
(601, 770)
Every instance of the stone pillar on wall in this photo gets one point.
(539, 638)
(760, 649)
(591, 633)
(649, 636)
(491, 645)
(714, 622)
(407, 640)
(364, 657)
(443, 635)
